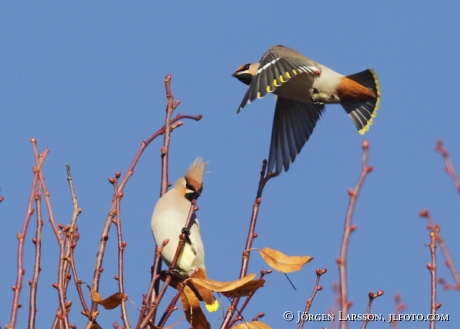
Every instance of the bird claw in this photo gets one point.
(185, 231)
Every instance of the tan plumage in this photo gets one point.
(168, 219)
(303, 86)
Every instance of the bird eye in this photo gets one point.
(246, 67)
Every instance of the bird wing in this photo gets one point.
(277, 66)
(293, 124)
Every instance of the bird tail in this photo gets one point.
(363, 112)
(206, 295)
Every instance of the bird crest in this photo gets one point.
(194, 175)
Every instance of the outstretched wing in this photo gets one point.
(277, 66)
(292, 126)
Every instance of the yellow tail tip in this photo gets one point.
(213, 307)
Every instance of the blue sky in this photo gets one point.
(86, 80)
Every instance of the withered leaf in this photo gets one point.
(110, 302)
(282, 262)
(245, 289)
(251, 325)
(192, 310)
(219, 286)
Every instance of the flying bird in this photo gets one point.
(169, 218)
(302, 87)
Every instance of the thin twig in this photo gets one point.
(149, 299)
(449, 167)
(264, 178)
(317, 287)
(399, 307)
(121, 248)
(445, 251)
(61, 314)
(38, 243)
(432, 268)
(21, 237)
(348, 228)
(171, 105)
(239, 317)
(69, 232)
(370, 316)
(182, 237)
(77, 281)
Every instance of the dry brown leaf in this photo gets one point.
(110, 302)
(252, 325)
(245, 289)
(218, 286)
(282, 262)
(192, 310)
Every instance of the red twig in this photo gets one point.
(264, 178)
(69, 241)
(21, 236)
(121, 248)
(77, 281)
(182, 237)
(399, 307)
(342, 260)
(70, 229)
(61, 314)
(369, 316)
(239, 317)
(449, 167)
(149, 299)
(316, 288)
(36, 272)
(432, 268)
(449, 262)
(171, 105)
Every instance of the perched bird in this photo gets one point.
(169, 218)
(302, 87)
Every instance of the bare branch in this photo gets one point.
(317, 287)
(149, 299)
(239, 317)
(399, 307)
(449, 262)
(121, 248)
(449, 167)
(264, 178)
(38, 243)
(370, 316)
(432, 268)
(77, 281)
(21, 236)
(60, 286)
(348, 228)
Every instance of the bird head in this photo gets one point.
(246, 72)
(192, 183)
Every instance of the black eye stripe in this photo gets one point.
(189, 187)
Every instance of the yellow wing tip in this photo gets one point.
(377, 103)
(213, 307)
